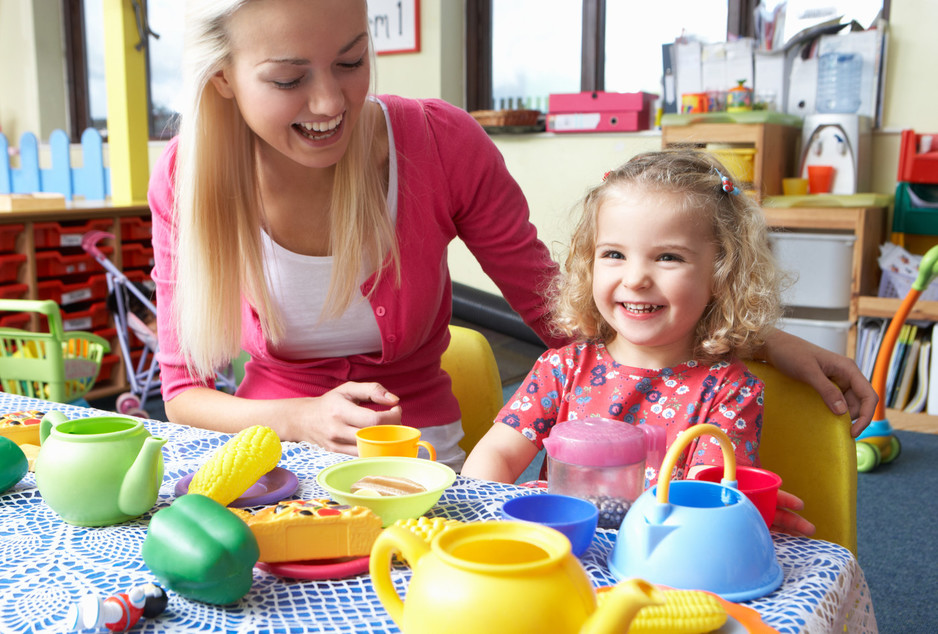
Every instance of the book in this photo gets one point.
(908, 370)
(918, 399)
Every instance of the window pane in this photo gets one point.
(635, 32)
(165, 62)
(94, 51)
(535, 50)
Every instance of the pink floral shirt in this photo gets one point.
(582, 380)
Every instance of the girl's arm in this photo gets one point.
(501, 455)
(835, 377)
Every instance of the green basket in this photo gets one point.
(55, 366)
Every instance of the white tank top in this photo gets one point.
(299, 284)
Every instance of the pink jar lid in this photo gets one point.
(595, 442)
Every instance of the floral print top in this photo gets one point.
(582, 380)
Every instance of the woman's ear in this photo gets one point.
(222, 86)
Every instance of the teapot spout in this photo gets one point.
(141, 484)
(621, 605)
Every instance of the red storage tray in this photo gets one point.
(136, 256)
(52, 235)
(96, 316)
(13, 291)
(54, 264)
(15, 320)
(92, 289)
(134, 228)
(108, 364)
(8, 235)
(10, 264)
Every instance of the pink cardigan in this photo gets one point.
(452, 182)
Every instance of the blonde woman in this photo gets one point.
(301, 218)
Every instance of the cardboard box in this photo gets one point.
(31, 202)
(600, 112)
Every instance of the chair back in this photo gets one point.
(813, 451)
(471, 365)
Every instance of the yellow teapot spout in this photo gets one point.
(620, 606)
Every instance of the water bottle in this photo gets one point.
(838, 82)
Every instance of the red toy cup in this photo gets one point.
(759, 485)
(820, 178)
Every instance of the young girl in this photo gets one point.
(669, 281)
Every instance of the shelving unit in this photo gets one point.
(59, 230)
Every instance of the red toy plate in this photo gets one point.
(319, 569)
(275, 485)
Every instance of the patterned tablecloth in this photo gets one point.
(46, 564)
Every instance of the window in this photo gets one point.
(519, 51)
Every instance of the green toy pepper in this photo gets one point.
(13, 463)
(201, 550)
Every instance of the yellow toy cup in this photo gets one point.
(391, 440)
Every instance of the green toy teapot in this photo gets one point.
(471, 578)
(98, 471)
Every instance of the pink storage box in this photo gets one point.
(600, 112)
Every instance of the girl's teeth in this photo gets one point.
(640, 308)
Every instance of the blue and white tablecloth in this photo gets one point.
(46, 564)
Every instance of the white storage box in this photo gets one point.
(830, 335)
(821, 264)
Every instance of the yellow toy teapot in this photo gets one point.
(499, 577)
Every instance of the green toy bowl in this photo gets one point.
(434, 476)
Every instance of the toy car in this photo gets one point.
(877, 444)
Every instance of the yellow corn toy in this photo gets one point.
(237, 465)
(684, 612)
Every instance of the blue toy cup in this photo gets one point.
(573, 517)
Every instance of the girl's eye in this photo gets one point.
(286, 85)
(670, 257)
(612, 255)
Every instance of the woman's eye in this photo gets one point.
(286, 85)
(353, 65)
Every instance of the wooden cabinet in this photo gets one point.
(43, 247)
(776, 147)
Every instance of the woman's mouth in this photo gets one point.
(319, 130)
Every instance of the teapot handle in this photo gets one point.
(411, 547)
(670, 459)
(50, 420)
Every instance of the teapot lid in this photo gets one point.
(596, 442)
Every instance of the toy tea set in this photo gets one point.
(666, 536)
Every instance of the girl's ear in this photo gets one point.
(222, 86)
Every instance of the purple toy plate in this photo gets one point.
(275, 485)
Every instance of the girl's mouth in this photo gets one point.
(639, 309)
(319, 130)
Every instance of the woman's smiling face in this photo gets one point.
(300, 73)
(652, 275)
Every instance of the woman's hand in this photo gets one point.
(334, 417)
(787, 519)
(835, 377)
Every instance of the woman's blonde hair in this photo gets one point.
(220, 213)
(746, 281)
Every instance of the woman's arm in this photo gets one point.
(329, 421)
(835, 377)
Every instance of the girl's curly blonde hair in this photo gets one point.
(747, 283)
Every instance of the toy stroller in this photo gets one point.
(877, 444)
(133, 311)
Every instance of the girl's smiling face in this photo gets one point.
(652, 275)
(300, 73)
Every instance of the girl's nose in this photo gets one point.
(325, 95)
(635, 275)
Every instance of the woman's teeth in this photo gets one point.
(319, 129)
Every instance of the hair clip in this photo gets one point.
(606, 175)
(728, 185)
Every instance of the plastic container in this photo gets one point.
(822, 265)
(575, 518)
(740, 161)
(92, 289)
(829, 334)
(759, 485)
(838, 82)
(8, 235)
(52, 235)
(135, 228)
(602, 461)
(10, 264)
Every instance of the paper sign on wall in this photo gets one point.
(395, 25)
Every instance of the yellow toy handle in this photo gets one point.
(670, 458)
(391, 540)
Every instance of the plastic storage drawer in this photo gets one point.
(52, 235)
(8, 235)
(136, 229)
(92, 289)
(96, 316)
(136, 256)
(10, 264)
(13, 291)
(54, 264)
(830, 335)
(821, 264)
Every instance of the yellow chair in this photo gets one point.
(811, 448)
(471, 365)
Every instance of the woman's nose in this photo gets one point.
(325, 95)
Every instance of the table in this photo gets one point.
(46, 564)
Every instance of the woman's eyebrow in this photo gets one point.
(302, 61)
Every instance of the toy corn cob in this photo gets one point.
(237, 465)
(684, 612)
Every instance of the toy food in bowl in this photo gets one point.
(570, 515)
(435, 477)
